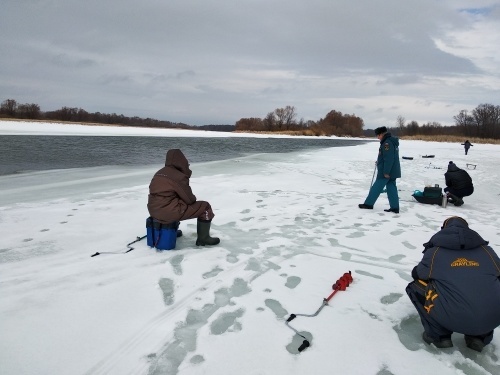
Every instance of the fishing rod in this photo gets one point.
(130, 248)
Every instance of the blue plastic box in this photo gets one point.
(161, 236)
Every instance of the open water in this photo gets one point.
(27, 153)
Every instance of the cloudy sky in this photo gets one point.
(214, 62)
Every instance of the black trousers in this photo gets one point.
(460, 192)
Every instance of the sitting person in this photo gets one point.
(456, 287)
(458, 184)
(171, 198)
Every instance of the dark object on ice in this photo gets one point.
(427, 156)
(430, 195)
(442, 342)
(305, 344)
(408, 157)
(395, 210)
(457, 201)
(365, 206)
(427, 200)
(474, 343)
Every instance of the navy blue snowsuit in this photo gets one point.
(456, 285)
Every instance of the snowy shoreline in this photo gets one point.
(55, 128)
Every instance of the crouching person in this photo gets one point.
(171, 198)
(458, 184)
(456, 287)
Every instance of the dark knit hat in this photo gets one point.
(380, 130)
(452, 166)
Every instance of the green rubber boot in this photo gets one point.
(203, 231)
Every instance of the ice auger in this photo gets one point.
(340, 284)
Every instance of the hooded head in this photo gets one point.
(452, 167)
(380, 130)
(455, 234)
(455, 221)
(176, 159)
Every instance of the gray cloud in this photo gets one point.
(203, 62)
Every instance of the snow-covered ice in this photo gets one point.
(289, 227)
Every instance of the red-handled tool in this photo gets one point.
(340, 284)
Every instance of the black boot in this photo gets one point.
(457, 201)
(365, 206)
(441, 342)
(474, 343)
(203, 230)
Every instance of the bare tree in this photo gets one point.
(400, 124)
(487, 120)
(285, 117)
(29, 111)
(9, 107)
(270, 121)
(464, 122)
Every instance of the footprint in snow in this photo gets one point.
(292, 282)
(214, 272)
(276, 308)
(227, 322)
(391, 298)
(167, 288)
(176, 261)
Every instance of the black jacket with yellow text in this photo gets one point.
(461, 277)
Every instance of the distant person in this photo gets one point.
(388, 170)
(458, 184)
(467, 145)
(171, 198)
(456, 287)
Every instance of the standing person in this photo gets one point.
(458, 184)
(171, 198)
(456, 287)
(388, 170)
(467, 145)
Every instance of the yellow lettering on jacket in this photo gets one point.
(462, 262)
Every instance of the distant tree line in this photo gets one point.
(482, 122)
(285, 120)
(11, 109)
